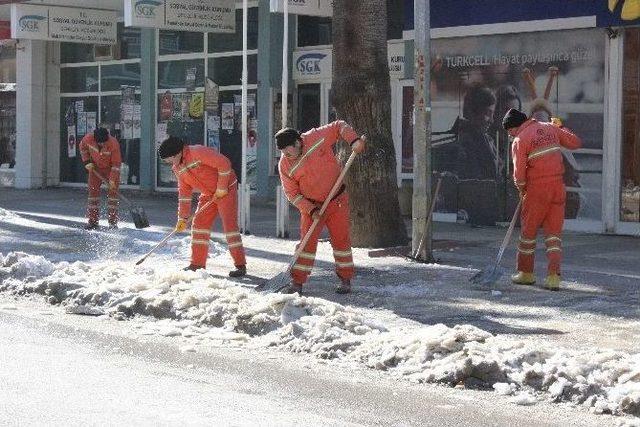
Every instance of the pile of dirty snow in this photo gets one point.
(203, 309)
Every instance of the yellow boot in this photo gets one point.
(552, 282)
(522, 278)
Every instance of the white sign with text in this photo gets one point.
(64, 24)
(213, 16)
(304, 7)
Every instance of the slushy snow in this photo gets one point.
(203, 309)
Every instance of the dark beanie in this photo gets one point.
(286, 137)
(170, 147)
(513, 119)
(101, 135)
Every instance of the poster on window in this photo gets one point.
(127, 121)
(82, 125)
(190, 79)
(166, 106)
(91, 121)
(475, 80)
(213, 131)
(227, 116)
(71, 141)
(161, 133)
(137, 117)
(211, 95)
(79, 107)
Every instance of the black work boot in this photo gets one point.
(113, 225)
(241, 270)
(192, 267)
(344, 287)
(293, 288)
(91, 226)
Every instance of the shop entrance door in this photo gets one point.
(309, 106)
(628, 215)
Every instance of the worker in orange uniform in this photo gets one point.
(537, 172)
(204, 169)
(100, 153)
(308, 171)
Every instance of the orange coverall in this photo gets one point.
(107, 160)
(205, 170)
(537, 172)
(307, 182)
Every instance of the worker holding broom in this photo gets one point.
(204, 169)
(100, 153)
(308, 170)
(537, 171)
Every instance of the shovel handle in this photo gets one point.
(507, 236)
(173, 232)
(326, 202)
(103, 179)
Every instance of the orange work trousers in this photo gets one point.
(227, 207)
(336, 218)
(543, 206)
(93, 200)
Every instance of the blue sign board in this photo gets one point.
(456, 13)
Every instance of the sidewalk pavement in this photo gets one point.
(591, 257)
(598, 306)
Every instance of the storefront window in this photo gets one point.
(233, 42)
(129, 42)
(121, 124)
(630, 162)
(227, 71)
(78, 116)
(314, 31)
(116, 76)
(181, 74)
(475, 80)
(177, 42)
(78, 79)
(76, 52)
(128, 47)
(7, 107)
(183, 115)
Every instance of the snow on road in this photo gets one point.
(204, 310)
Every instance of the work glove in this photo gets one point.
(89, 166)
(181, 225)
(556, 122)
(220, 193)
(315, 214)
(358, 145)
(112, 185)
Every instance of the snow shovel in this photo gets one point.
(138, 215)
(432, 206)
(492, 273)
(280, 281)
(173, 232)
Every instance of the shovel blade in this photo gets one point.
(275, 284)
(487, 276)
(139, 217)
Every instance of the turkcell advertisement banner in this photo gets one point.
(213, 16)
(63, 24)
(475, 80)
(304, 7)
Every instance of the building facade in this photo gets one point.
(579, 61)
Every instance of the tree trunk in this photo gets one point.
(361, 94)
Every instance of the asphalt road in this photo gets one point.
(57, 369)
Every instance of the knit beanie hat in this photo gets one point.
(170, 147)
(101, 135)
(513, 119)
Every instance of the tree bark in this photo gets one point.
(361, 95)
